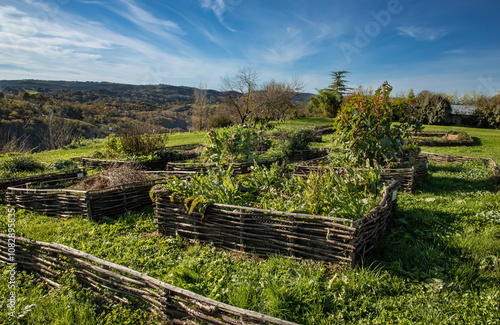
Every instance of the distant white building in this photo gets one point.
(463, 110)
(462, 113)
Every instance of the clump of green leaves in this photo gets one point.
(348, 193)
(296, 140)
(364, 129)
(229, 145)
(20, 163)
(214, 185)
(59, 165)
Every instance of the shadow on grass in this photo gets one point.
(413, 247)
(449, 179)
(441, 185)
(477, 141)
(421, 243)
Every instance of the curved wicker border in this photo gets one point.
(172, 304)
(441, 143)
(266, 232)
(238, 168)
(408, 177)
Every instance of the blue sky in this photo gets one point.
(439, 45)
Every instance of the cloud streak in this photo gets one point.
(422, 33)
(218, 7)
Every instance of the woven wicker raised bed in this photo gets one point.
(238, 168)
(441, 158)
(93, 204)
(146, 165)
(266, 232)
(304, 155)
(441, 142)
(8, 182)
(120, 284)
(408, 177)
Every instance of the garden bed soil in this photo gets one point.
(266, 232)
(122, 285)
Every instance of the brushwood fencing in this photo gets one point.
(441, 158)
(237, 168)
(92, 204)
(120, 284)
(408, 178)
(14, 181)
(266, 232)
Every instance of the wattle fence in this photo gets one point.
(266, 232)
(408, 178)
(123, 285)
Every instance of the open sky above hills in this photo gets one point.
(442, 45)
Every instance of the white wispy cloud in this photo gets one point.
(422, 33)
(219, 7)
(145, 19)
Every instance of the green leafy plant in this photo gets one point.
(295, 140)
(59, 164)
(20, 163)
(229, 145)
(349, 193)
(364, 128)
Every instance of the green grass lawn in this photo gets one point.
(89, 146)
(486, 142)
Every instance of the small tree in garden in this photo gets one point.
(488, 112)
(328, 100)
(434, 108)
(364, 129)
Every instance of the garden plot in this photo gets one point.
(345, 235)
(15, 181)
(442, 139)
(110, 193)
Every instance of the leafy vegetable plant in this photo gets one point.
(347, 193)
(364, 128)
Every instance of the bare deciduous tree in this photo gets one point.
(276, 99)
(200, 108)
(58, 132)
(240, 92)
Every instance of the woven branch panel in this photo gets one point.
(304, 155)
(266, 232)
(441, 142)
(237, 168)
(440, 158)
(146, 165)
(408, 178)
(123, 285)
(93, 204)
(5, 183)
